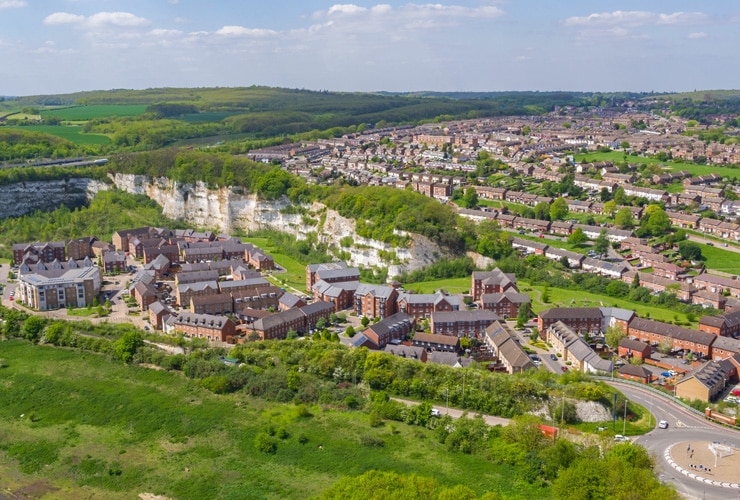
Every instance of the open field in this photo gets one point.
(669, 166)
(720, 259)
(72, 134)
(452, 285)
(295, 274)
(79, 425)
(566, 298)
(84, 113)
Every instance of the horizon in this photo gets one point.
(56, 47)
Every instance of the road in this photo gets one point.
(699, 239)
(683, 426)
(455, 413)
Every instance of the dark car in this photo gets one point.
(553, 357)
(564, 368)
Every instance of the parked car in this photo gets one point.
(735, 392)
(553, 357)
(564, 369)
(663, 424)
(621, 439)
(436, 412)
(710, 244)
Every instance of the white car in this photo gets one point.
(663, 424)
(436, 412)
(621, 439)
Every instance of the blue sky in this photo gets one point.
(55, 46)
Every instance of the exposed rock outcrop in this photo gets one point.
(231, 210)
(21, 198)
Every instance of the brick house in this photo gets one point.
(462, 323)
(705, 298)
(636, 373)
(503, 343)
(432, 342)
(495, 281)
(187, 290)
(718, 284)
(422, 305)
(157, 314)
(39, 252)
(629, 348)
(331, 272)
(114, 262)
(341, 294)
(211, 304)
(394, 327)
(375, 301)
(145, 295)
(79, 248)
(725, 325)
(574, 349)
(681, 339)
(580, 319)
(504, 304)
(204, 326)
(725, 347)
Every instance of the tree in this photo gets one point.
(624, 218)
(542, 211)
(559, 209)
(365, 321)
(610, 207)
(690, 251)
(655, 222)
(321, 324)
(605, 195)
(635, 281)
(620, 197)
(601, 244)
(128, 344)
(524, 314)
(577, 237)
(665, 346)
(614, 335)
(470, 198)
(617, 288)
(350, 332)
(32, 327)
(546, 294)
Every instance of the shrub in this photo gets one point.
(282, 433)
(371, 442)
(265, 443)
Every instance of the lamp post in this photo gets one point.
(447, 390)
(624, 426)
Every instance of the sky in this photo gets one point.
(60, 46)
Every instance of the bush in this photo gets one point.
(265, 443)
(371, 442)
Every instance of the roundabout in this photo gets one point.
(709, 462)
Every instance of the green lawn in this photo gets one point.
(295, 274)
(78, 425)
(671, 166)
(452, 285)
(71, 133)
(566, 298)
(84, 113)
(720, 259)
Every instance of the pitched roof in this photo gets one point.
(434, 338)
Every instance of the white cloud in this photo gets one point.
(635, 18)
(12, 4)
(63, 18)
(121, 19)
(241, 31)
(165, 33)
(697, 35)
(345, 9)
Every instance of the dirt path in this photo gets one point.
(455, 413)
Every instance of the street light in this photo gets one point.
(447, 390)
(624, 427)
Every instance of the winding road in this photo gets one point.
(683, 426)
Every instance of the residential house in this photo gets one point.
(707, 382)
(575, 350)
(422, 305)
(631, 348)
(589, 319)
(725, 325)
(114, 262)
(394, 327)
(48, 286)
(725, 347)
(680, 339)
(495, 281)
(462, 323)
(375, 301)
(432, 342)
(636, 373)
(158, 312)
(39, 252)
(341, 294)
(503, 343)
(331, 272)
(204, 326)
(504, 304)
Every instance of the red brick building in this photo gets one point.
(578, 319)
(725, 325)
(375, 301)
(495, 281)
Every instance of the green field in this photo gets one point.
(84, 113)
(560, 297)
(720, 259)
(70, 133)
(208, 116)
(452, 285)
(76, 425)
(669, 166)
(295, 274)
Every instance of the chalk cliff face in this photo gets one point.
(22, 198)
(230, 209)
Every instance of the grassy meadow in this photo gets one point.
(84, 113)
(73, 134)
(78, 424)
(669, 166)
